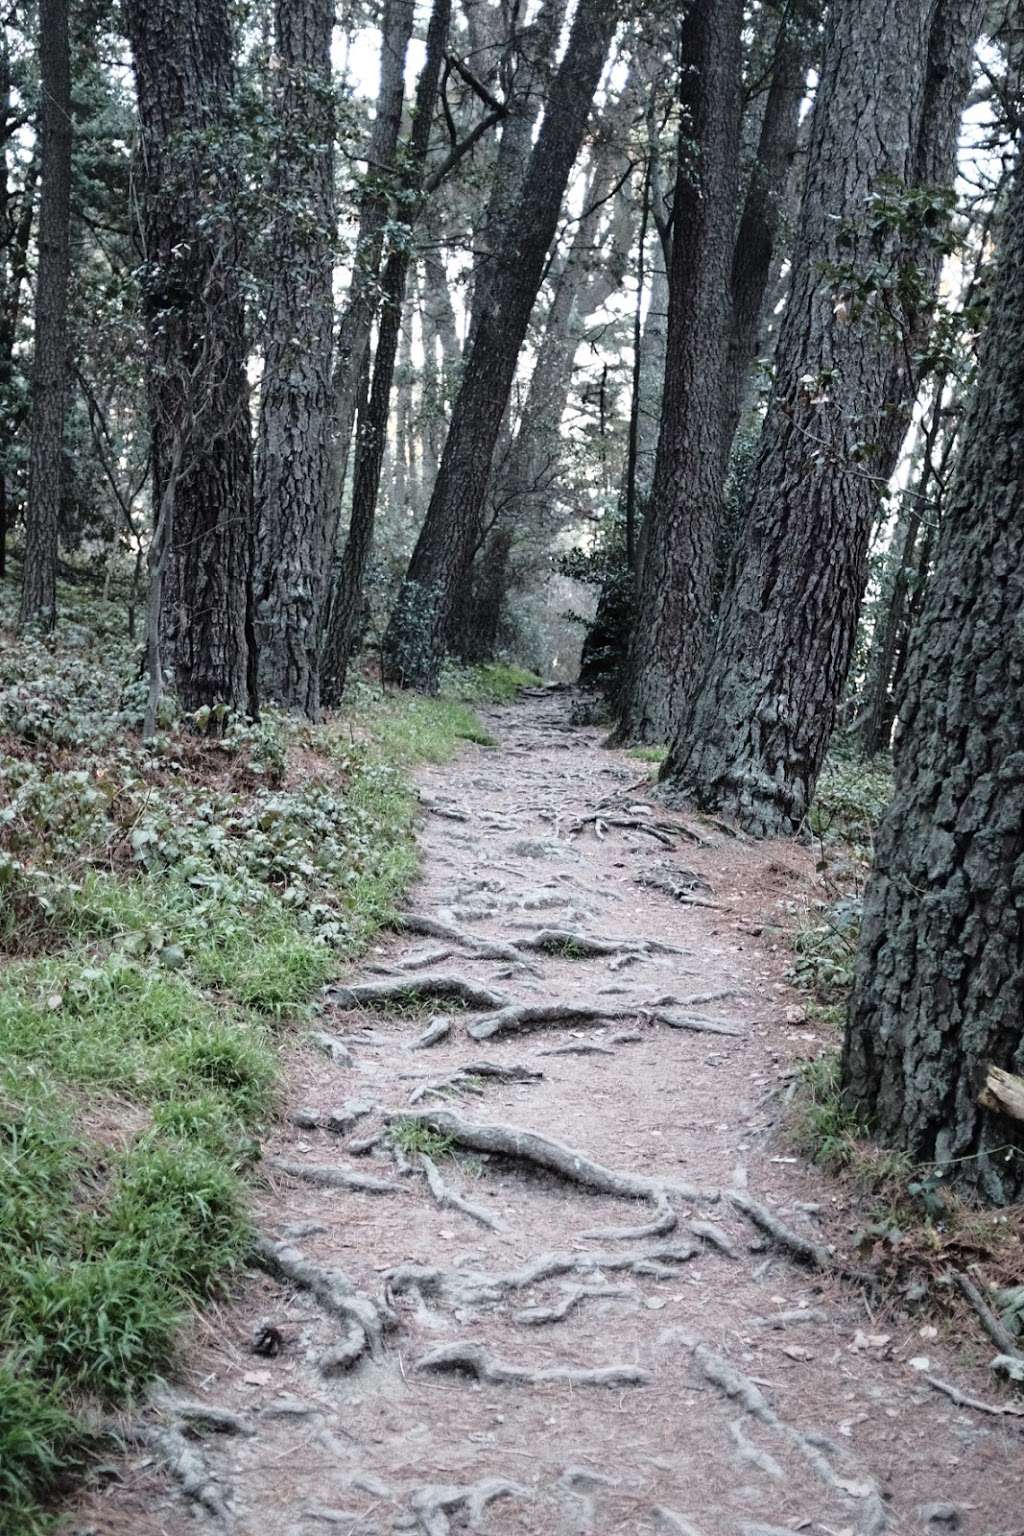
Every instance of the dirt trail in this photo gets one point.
(694, 1377)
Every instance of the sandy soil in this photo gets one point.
(734, 1423)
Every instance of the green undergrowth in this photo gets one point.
(649, 754)
(166, 910)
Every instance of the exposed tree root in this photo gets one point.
(432, 1505)
(673, 1524)
(335, 1292)
(748, 1452)
(339, 1121)
(480, 1288)
(714, 1237)
(435, 928)
(962, 1400)
(468, 1079)
(795, 1315)
(578, 945)
(187, 1466)
(580, 1048)
(663, 832)
(475, 1360)
(336, 1049)
(529, 1147)
(516, 1018)
(800, 1248)
(332, 1177)
(437, 1030)
(447, 1197)
(740, 1389)
(571, 1299)
(1000, 1335)
(416, 989)
(693, 1022)
(208, 1417)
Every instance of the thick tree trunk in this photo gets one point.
(376, 406)
(752, 741)
(183, 52)
(444, 552)
(677, 545)
(49, 360)
(939, 991)
(294, 449)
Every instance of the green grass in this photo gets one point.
(649, 754)
(414, 1136)
(163, 912)
(492, 682)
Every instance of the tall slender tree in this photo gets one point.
(194, 258)
(294, 482)
(375, 405)
(939, 990)
(441, 561)
(50, 362)
(752, 738)
(677, 547)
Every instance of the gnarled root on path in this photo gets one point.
(334, 1176)
(432, 1505)
(572, 1298)
(447, 1197)
(365, 1321)
(554, 1157)
(416, 989)
(799, 1248)
(475, 1360)
(187, 1466)
(478, 1288)
(740, 1389)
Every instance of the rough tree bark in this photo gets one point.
(183, 53)
(294, 483)
(751, 742)
(444, 551)
(376, 404)
(677, 545)
(16, 215)
(939, 991)
(49, 360)
(361, 305)
(523, 481)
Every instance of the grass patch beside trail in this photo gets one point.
(648, 754)
(164, 907)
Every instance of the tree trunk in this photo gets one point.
(376, 406)
(444, 552)
(376, 203)
(523, 480)
(183, 53)
(48, 397)
(757, 234)
(17, 219)
(293, 459)
(939, 990)
(677, 545)
(528, 59)
(752, 741)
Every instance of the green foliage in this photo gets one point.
(414, 1136)
(850, 800)
(649, 754)
(827, 1131)
(162, 905)
(37, 1449)
(825, 947)
(181, 1208)
(491, 682)
(101, 1325)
